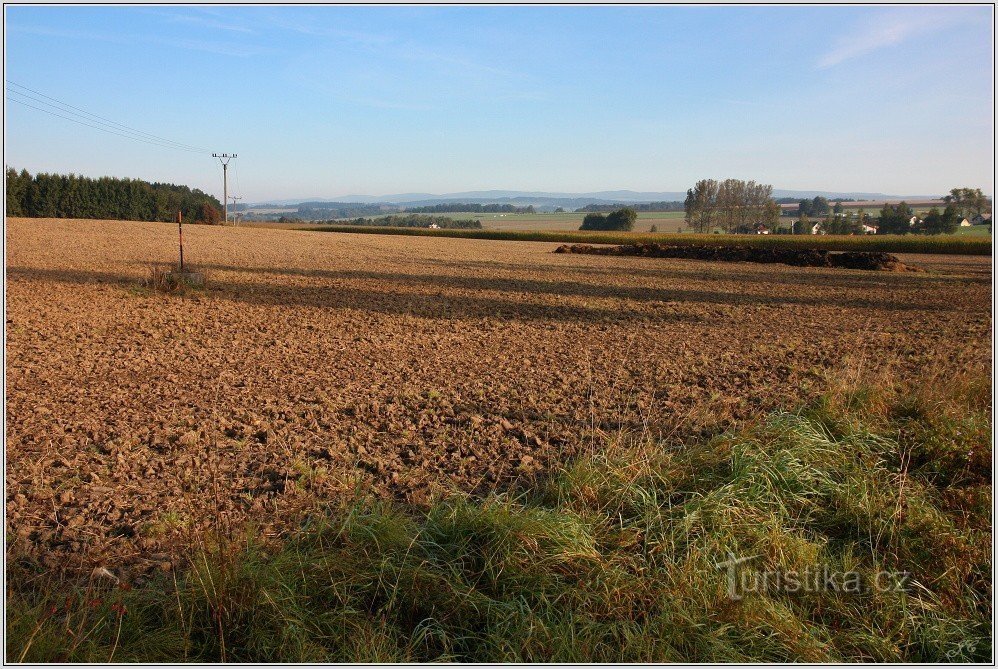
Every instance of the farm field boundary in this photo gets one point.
(947, 245)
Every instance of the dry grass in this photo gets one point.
(171, 279)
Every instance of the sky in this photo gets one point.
(331, 101)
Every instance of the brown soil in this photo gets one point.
(869, 260)
(318, 366)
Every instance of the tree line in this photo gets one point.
(732, 205)
(71, 196)
(452, 207)
(645, 206)
(310, 211)
(413, 221)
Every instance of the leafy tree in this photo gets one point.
(819, 206)
(803, 225)
(732, 205)
(936, 223)
(701, 205)
(968, 202)
(593, 222)
(895, 219)
(209, 215)
(620, 220)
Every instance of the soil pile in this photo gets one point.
(868, 260)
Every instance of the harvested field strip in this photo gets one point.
(795, 257)
(948, 245)
(611, 559)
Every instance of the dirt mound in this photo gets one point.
(869, 260)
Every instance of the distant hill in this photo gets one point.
(566, 200)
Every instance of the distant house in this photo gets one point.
(434, 226)
(869, 229)
(761, 229)
(913, 221)
(980, 219)
(964, 223)
(816, 229)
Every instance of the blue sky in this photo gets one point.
(330, 101)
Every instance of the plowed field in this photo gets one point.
(318, 366)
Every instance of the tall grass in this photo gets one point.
(942, 244)
(612, 559)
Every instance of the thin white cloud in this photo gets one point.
(220, 48)
(209, 23)
(881, 31)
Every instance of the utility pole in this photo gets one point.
(235, 212)
(224, 158)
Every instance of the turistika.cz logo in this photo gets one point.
(744, 580)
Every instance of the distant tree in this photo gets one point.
(17, 187)
(701, 205)
(593, 222)
(968, 202)
(895, 219)
(941, 223)
(819, 206)
(209, 215)
(620, 220)
(837, 209)
(559, 210)
(802, 226)
(732, 205)
(654, 228)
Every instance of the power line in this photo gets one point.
(121, 129)
(97, 127)
(87, 122)
(97, 116)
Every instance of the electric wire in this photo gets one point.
(121, 130)
(101, 119)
